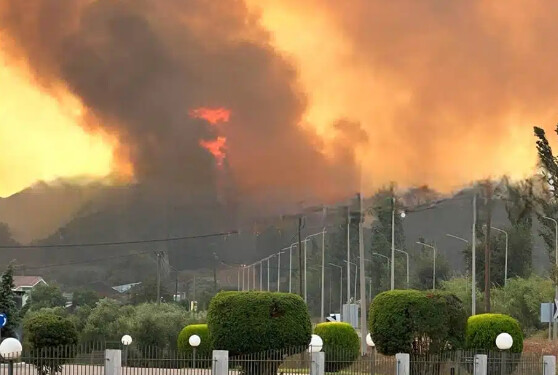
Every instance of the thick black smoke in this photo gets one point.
(141, 66)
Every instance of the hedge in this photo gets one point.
(52, 334)
(341, 345)
(205, 348)
(411, 321)
(252, 322)
(483, 329)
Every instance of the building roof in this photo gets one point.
(124, 288)
(27, 281)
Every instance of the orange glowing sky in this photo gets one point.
(41, 137)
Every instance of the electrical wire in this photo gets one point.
(118, 243)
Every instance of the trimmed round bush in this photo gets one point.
(483, 329)
(341, 345)
(257, 322)
(204, 350)
(252, 322)
(411, 321)
(52, 334)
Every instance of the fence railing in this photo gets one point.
(461, 362)
(91, 359)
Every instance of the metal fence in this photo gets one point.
(86, 359)
(155, 361)
(463, 363)
(287, 361)
(352, 362)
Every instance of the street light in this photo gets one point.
(10, 350)
(504, 342)
(349, 275)
(322, 233)
(403, 214)
(506, 257)
(126, 341)
(434, 267)
(457, 237)
(407, 255)
(194, 342)
(316, 344)
(383, 256)
(279, 269)
(340, 287)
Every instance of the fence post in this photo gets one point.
(317, 366)
(220, 362)
(549, 365)
(480, 364)
(113, 362)
(402, 364)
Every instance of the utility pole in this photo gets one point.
(474, 259)
(487, 247)
(215, 260)
(159, 255)
(300, 260)
(392, 274)
(363, 305)
(348, 254)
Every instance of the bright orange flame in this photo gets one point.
(217, 148)
(211, 115)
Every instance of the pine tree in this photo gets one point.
(8, 304)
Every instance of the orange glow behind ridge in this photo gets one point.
(211, 115)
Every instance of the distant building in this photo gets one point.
(23, 285)
(125, 288)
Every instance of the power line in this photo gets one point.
(93, 244)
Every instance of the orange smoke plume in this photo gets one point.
(217, 148)
(211, 115)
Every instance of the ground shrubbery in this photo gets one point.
(205, 348)
(51, 335)
(483, 329)
(411, 321)
(256, 322)
(341, 345)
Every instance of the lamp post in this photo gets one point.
(434, 266)
(349, 275)
(393, 241)
(10, 350)
(385, 257)
(126, 341)
(372, 346)
(340, 287)
(194, 342)
(504, 342)
(406, 255)
(316, 345)
(506, 256)
(279, 269)
(291, 266)
(322, 233)
(556, 262)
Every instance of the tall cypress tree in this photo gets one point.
(8, 304)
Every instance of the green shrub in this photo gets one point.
(341, 345)
(410, 321)
(52, 334)
(204, 350)
(483, 329)
(252, 322)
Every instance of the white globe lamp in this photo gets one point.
(126, 340)
(369, 341)
(504, 341)
(316, 344)
(194, 341)
(10, 349)
(403, 214)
